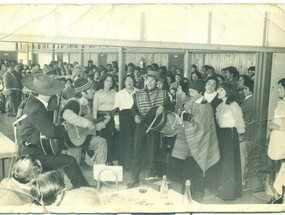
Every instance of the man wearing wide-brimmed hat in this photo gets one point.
(148, 143)
(38, 122)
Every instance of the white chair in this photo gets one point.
(107, 173)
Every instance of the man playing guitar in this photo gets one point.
(39, 122)
(80, 124)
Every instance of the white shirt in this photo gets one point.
(198, 101)
(248, 96)
(210, 97)
(230, 116)
(123, 100)
(42, 101)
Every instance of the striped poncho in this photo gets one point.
(198, 137)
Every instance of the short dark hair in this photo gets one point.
(282, 82)
(245, 77)
(215, 79)
(129, 76)
(252, 68)
(249, 84)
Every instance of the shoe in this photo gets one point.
(132, 184)
(278, 200)
(109, 163)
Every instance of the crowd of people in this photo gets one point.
(213, 117)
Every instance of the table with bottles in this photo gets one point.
(146, 199)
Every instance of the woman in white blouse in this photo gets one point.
(103, 104)
(230, 132)
(125, 123)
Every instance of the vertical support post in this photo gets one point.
(210, 28)
(261, 96)
(121, 63)
(27, 52)
(143, 27)
(186, 64)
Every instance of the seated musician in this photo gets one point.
(196, 143)
(38, 122)
(148, 143)
(80, 124)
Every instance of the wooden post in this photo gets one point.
(122, 73)
(186, 64)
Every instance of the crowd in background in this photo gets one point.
(227, 91)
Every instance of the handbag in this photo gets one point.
(276, 147)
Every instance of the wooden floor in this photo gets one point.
(249, 197)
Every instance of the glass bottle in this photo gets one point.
(187, 198)
(164, 188)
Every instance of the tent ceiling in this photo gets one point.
(156, 26)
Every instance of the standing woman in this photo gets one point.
(103, 104)
(125, 122)
(276, 145)
(230, 132)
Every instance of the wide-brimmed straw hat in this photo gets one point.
(152, 73)
(43, 84)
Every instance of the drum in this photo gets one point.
(171, 126)
(165, 123)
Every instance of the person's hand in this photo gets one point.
(138, 119)
(117, 127)
(241, 137)
(272, 126)
(91, 126)
(159, 110)
(107, 119)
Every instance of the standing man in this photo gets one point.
(38, 122)
(196, 146)
(145, 100)
(12, 90)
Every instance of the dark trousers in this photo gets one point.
(192, 171)
(149, 145)
(13, 100)
(61, 161)
(126, 139)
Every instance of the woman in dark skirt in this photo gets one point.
(103, 104)
(125, 122)
(230, 132)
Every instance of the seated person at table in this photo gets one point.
(196, 146)
(49, 189)
(14, 191)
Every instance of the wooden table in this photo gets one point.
(8, 149)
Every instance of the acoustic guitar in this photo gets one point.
(77, 134)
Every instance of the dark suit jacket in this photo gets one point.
(215, 102)
(38, 121)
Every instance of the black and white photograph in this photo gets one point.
(166, 108)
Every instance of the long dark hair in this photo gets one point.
(101, 83)
(230, 92)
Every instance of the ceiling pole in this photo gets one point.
(186, 64)
(121, 63)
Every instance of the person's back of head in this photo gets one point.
(26, 168)
(47, 188)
